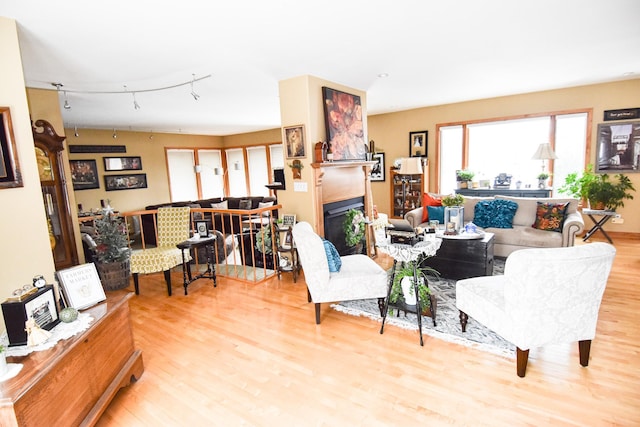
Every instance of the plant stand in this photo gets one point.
(598, 223)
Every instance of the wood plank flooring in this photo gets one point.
(252, 355)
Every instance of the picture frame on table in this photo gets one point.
(81, 286)
(618, 147)
(418, 143)
(294, 141)
(202, 228)
(343, 124)
(125, 182)
(127, 163)
(378, 170)
(84, 174)
(37, 303)
(288, 220)
(10, 175)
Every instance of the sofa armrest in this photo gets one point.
(414, 216)
(573, 225)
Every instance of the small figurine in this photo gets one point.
(35, 335)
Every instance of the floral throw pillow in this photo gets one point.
(550, 216)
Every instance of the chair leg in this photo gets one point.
(167, 278)
(308, 295)
(463, 321)
(317, 313)
(381, 306)
(522, 357)
(584, 348)
(136, 284)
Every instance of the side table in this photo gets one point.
(598, 223)
(210, 272)
(409, 253)
(286, 246)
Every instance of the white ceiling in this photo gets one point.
(434, 52)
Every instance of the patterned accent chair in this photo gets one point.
(173, 228)
(359, 277)
(546, 296)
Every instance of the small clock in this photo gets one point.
(39, 281)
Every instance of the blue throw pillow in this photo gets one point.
(495, 213)
(436, 213)
(333, 257)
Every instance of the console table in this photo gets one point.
(193, 243)
(489, 192)
(73, 383)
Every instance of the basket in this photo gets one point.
(114, 275)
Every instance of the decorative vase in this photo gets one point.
(407, 290)
(542, 183)
(114, 275)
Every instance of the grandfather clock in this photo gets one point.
(49, 147)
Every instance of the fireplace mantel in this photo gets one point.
(336, 181)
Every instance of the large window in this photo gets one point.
(489, 148)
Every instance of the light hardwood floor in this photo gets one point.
(252, 355)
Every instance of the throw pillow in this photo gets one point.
(550, 216)
(265, 205)
(333, 257)
(495, 213)
(436, 213)
(221, 205)
(245, 204)
(196, 215)
(429, 200)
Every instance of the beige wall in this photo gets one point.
(391, 131)
(25, 250)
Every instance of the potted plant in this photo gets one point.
(599, 190)
(464, 177)
(402, 290)
(542, 179)
(112, 253)
(453, 200)
(354, 228)
(453, 213)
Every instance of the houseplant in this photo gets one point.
(599, 190)
(464, 177)
(542, 179)
(402, 290)
(112, 253)
(354, 228)
(453, 213)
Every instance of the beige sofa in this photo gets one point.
(522, 235)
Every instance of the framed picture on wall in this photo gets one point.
(125, 182)
(377, 171)
(84, 174)
(129, 163)
(10, 176)
(294, 141)
(418, 143)
(618, 147)
(343, 122)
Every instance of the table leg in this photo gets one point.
(185, 266)
(598, 226)
(417, 294)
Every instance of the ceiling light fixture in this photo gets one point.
(66, 102)
(136, 106)
(114, 136)
(75, 131)
(195, 95)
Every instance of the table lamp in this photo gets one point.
(544, 152)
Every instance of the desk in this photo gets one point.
(598, 223)
(210, 273)
(409, 253)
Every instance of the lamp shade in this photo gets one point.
(544, 152)
(410, 166)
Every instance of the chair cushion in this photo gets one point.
(333, 257)
(265, 205)
(495, 213)
(550, 216)
(220, 205)
(436, 213)
(429, 200)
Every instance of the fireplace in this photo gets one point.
(334, 214)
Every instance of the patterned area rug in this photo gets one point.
(447, 318)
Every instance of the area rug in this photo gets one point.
(447, 318)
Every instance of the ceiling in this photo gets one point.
(434, 52)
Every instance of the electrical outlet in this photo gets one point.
(617, 220)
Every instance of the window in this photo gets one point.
(211, 184)
(258, 170)
(235, 172)
(182, 177)
(507, 146)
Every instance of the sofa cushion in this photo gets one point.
(430, 200)
(436, 213)
(220, 205)
(245, 204)
(470, 205)
(495, 213)
(333, 257)
(527, 206)
(265, 205)
(550, 216)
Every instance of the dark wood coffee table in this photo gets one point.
(463, 258)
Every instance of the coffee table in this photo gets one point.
(462, 258)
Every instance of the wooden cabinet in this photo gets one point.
(407, 190)
(73, 383)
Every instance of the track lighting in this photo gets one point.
(136, 106)
(114, 136)
(75, 131)
(195, 95)
(66, 102)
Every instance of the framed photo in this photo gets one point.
(618, 147)
(130, 163)
(84, 174)
(81, 286)
(202, 228)
(288, 220)
(377, 171)
(294, 141)
(125, 182)
(10, 176)
(418, 143)
(343, 122)
(39, 304)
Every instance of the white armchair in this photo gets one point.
(546, 296)
(359, 278)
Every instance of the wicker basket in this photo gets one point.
(114, 275)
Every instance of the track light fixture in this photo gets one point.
(66, 102)
(114, 136)
(195, 95)
(136, 106)
(75, 131)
